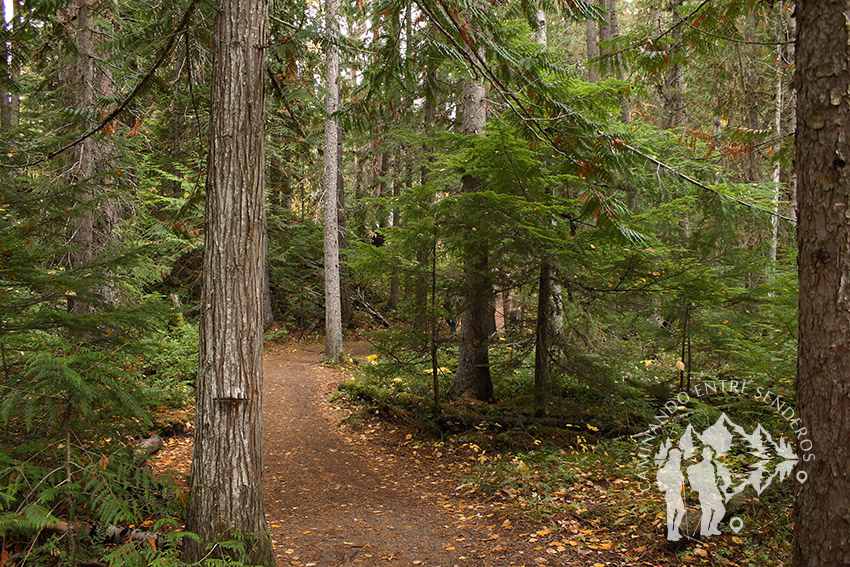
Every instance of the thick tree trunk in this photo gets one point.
(227, 464)
(473, 368)
(333, 307)
(822, 506)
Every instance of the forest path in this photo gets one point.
(334, 497)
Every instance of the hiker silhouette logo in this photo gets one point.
(716, 465)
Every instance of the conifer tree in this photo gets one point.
(226, 497)
(821, 516)
(333, 308)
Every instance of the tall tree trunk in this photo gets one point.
(268, 310)
(674, 104)
(429, 119)
(751, 92)
(473, 368)
(10, 103)
(333, 307)
(791, 31)
(346, 309)
(592, 39)
(82, 156)
(552, 313)
(227, 463)
(5, 77)
(395, 220)
(614, 25)
(776, 177)
(541, 340)
(15, 67)
(822, 506)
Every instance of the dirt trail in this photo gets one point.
(332, 499)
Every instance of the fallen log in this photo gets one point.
(359, 302)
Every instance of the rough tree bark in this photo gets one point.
(333, 307)
(473, 367)
(822, 506)
(227, 465)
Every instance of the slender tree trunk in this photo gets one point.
(10, 104)
(674, 104)
(5, 78)
(822, 505)
(395, 220)
(592, 38)
(554, 312)
(17, 8)
(473, 369)
(776, 177)
(227, 464)
(429, 119)
(346, 309)
(268, 310)
(791, 27)
(333, 307)
(608, 31)
(541, 344)
(81, 79)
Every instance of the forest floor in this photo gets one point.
(343, 492)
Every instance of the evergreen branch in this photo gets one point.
(693, 181)
(160, 59)
(735, 40)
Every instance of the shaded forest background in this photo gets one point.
(621, 228)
